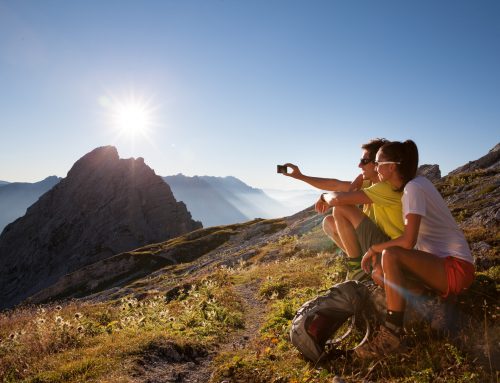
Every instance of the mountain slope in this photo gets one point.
(489, 161)
(472, 193)
(104, 206)
(216, 305)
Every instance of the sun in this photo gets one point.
(132, 117)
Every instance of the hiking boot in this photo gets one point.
(356, 275)
(384, 343)
(354, 270)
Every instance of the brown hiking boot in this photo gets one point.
(384, 343)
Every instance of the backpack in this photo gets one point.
(320, 318)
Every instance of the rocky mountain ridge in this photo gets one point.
(211, 200)
(476, 210)
(216, 304)
(473, 198)
(105, 206)
(472, 193)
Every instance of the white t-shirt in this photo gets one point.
(439, 233)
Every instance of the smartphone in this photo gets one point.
(282, 169)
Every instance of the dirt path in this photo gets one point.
(166, 364)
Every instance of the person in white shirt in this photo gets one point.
(432, 251)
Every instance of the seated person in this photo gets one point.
(347, 226)
(431, 251)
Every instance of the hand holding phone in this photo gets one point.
(282, 169)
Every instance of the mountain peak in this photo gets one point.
(105, 205)
(100, 157)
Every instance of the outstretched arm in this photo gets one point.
(330, 184)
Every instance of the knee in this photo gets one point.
(390, 257)
(338, 211)
(329, 225)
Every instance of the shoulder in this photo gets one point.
(366, 184)
(383, 187)
(419, 182)
(419, 185)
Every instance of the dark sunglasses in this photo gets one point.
(364, 161)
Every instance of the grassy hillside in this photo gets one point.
(218, 307)
(225, 324)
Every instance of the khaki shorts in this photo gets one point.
(368, 234)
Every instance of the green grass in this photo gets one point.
(66, 343)
(102, 342)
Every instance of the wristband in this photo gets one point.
(322, 198)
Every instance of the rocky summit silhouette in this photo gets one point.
(105, 206)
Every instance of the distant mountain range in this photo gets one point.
(226, 200)
(211, 200)
(16, 197)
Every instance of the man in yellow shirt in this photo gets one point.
(353, 230)
(357, 230)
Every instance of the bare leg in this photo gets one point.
(347, 219)
(378, 275)
(425, 266)
(330, 230)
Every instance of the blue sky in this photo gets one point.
(236, 87)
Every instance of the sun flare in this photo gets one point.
(132, 117)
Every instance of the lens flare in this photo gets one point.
(132, 117)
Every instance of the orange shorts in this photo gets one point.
(460, 275)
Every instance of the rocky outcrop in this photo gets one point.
(105, 206)
(490, 161)
(472, 192)
(432, 172)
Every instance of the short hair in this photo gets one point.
(373, 146)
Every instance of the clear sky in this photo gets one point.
(236, 87)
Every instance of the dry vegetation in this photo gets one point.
(115, 341)
(224, 313)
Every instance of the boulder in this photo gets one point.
(432, 172)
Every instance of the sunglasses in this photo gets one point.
(364, 161)
(377, 163)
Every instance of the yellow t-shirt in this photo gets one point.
(387, 209)
(367, 207)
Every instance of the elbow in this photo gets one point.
(409, 243)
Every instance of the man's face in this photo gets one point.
(367, 166)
